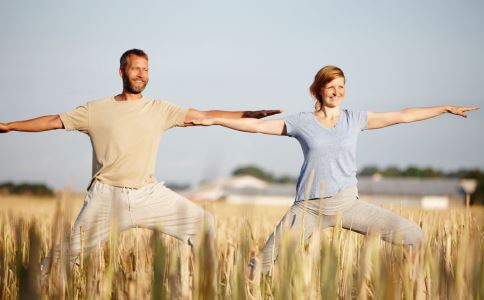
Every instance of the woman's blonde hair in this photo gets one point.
(323, 77)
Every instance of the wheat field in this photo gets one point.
(334, 264)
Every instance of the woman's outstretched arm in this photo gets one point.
(383, 119)
(274, 127)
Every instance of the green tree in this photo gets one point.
(253, 171)
(369, 171)
(264, 175)
(391, 172)
(35, 189)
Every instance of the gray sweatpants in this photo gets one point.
(153, 206)
(356, 215)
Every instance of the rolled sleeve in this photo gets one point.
(77, 119)
(173, 114)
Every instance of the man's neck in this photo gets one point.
(125, 96)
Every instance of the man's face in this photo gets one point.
(135, 74)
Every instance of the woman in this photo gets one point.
(328, 139)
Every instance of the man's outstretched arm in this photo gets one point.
(194, 114)
(33, 125)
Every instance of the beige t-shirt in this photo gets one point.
(125, 136)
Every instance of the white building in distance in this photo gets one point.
(426, 193)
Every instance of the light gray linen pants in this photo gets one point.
(356, 215)
(153, 206)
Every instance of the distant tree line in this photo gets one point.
(30, 189)
(412, 171)
(264, 175)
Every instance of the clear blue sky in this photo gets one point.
(242, 55)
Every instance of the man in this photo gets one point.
(125, 131)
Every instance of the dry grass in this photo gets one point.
(140, 264)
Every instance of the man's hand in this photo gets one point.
(258, 114)
(4, 128)
(461, 110)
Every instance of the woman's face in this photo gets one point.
(334, 92)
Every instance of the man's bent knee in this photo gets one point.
(412, 236)
(206, 228)
(209, 224)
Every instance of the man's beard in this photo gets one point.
(130, 88)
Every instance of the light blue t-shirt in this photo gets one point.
(330, 152)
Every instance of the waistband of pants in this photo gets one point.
(96, 184)
(341, 201)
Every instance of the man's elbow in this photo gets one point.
(194, 114)
(56, 122)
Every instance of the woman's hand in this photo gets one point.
(461, 110)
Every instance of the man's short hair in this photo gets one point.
(123, 61)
